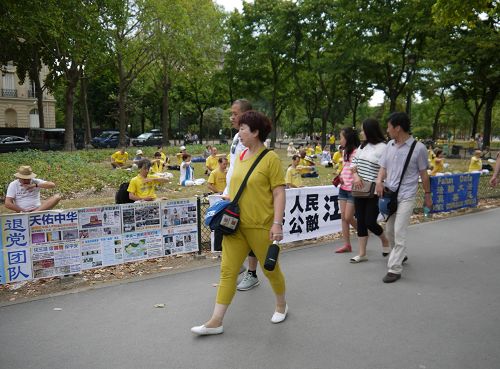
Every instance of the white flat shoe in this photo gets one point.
(204, 331)
(279, 317)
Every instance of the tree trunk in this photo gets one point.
(85, 111)
(165, 105)
(71, 83)
(39, 99)
(122, 101)
(435, 124)
(490, 102)
(200, 122)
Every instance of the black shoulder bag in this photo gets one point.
(392, 206)
(227, 220)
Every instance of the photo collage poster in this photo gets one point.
(56, 243)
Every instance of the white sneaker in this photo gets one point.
(279, 317)
(248, 282)
(204, 331)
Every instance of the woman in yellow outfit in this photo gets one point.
(262, 206)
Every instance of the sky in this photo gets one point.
(229, 5)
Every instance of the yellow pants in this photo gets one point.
(235, 249)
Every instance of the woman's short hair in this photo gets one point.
(256, 121)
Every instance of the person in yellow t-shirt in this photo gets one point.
(164, 156)
(306, 166)
(292, 177)
(262, 206)
(182, 151)
(217, 180)
(119, 159)
(431, 156)
(331, 140)
(317, 149)
(438, 163)
(476, 163)
(212, 161)
(338, 160)
(309, 150)
(157, 164)
(142, 186)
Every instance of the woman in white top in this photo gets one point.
(364, 168)
(291, 150)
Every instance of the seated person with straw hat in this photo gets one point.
(23, 194)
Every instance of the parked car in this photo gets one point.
(152, 138)
(52, 138)
(10, 143)
(108, 139)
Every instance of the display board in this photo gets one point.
(454, 191)
(54, 243)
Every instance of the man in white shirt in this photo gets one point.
(240, 106)
(23, 194)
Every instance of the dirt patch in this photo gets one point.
(25, 291)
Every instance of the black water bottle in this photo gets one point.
(272, 256)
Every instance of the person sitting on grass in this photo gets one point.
(23, 194)
(157, 164)
(182, 151)
(306, 166)
(217, 180)
(438, 163)
(212, 161)
(293, 178)
(119, 159)
(187, 173)
(326, 157)
(143, 186)
(476, 163)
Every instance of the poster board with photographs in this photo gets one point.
(55, 243)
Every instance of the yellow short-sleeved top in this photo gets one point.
(218, 179)
(438, 166)
(318, 150)
(141, 189)
(120, 158)
(179, 158)
(309, 151)
(256, 201)
(475, 164)
(332, 140)
(293, 177)
(163, 156)
(339, 160)
(157, 166)
(212, 162)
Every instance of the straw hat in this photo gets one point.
(25, 172)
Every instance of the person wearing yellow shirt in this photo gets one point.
(306, 166)
(331, 140)
(471, 145)
(338, 160)
(119, 159)
(217, 180)
(179, 155)
(431, 156)
(292, 177)
(212, 161)
(143, 186)
(438, 166)
(476, 164)
(262, 207)
(157, 164)
(309, 150)
(317, 150)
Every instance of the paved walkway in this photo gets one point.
(444, 313)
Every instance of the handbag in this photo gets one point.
(389, 201)
(224, 216)
(365, 192)
(336, 180)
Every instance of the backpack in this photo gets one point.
(121, 196)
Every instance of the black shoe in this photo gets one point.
(391, 277)
(405, 260)
(384, 254)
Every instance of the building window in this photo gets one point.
(8, 86)
(31, 90)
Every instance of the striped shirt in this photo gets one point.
(367, 161)
(346, 174)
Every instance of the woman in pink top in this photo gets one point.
(349, 140)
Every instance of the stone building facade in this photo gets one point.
(18, 104)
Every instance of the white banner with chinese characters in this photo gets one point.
(311, 212)
(53, 243)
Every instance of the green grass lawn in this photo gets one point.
(85, 177)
